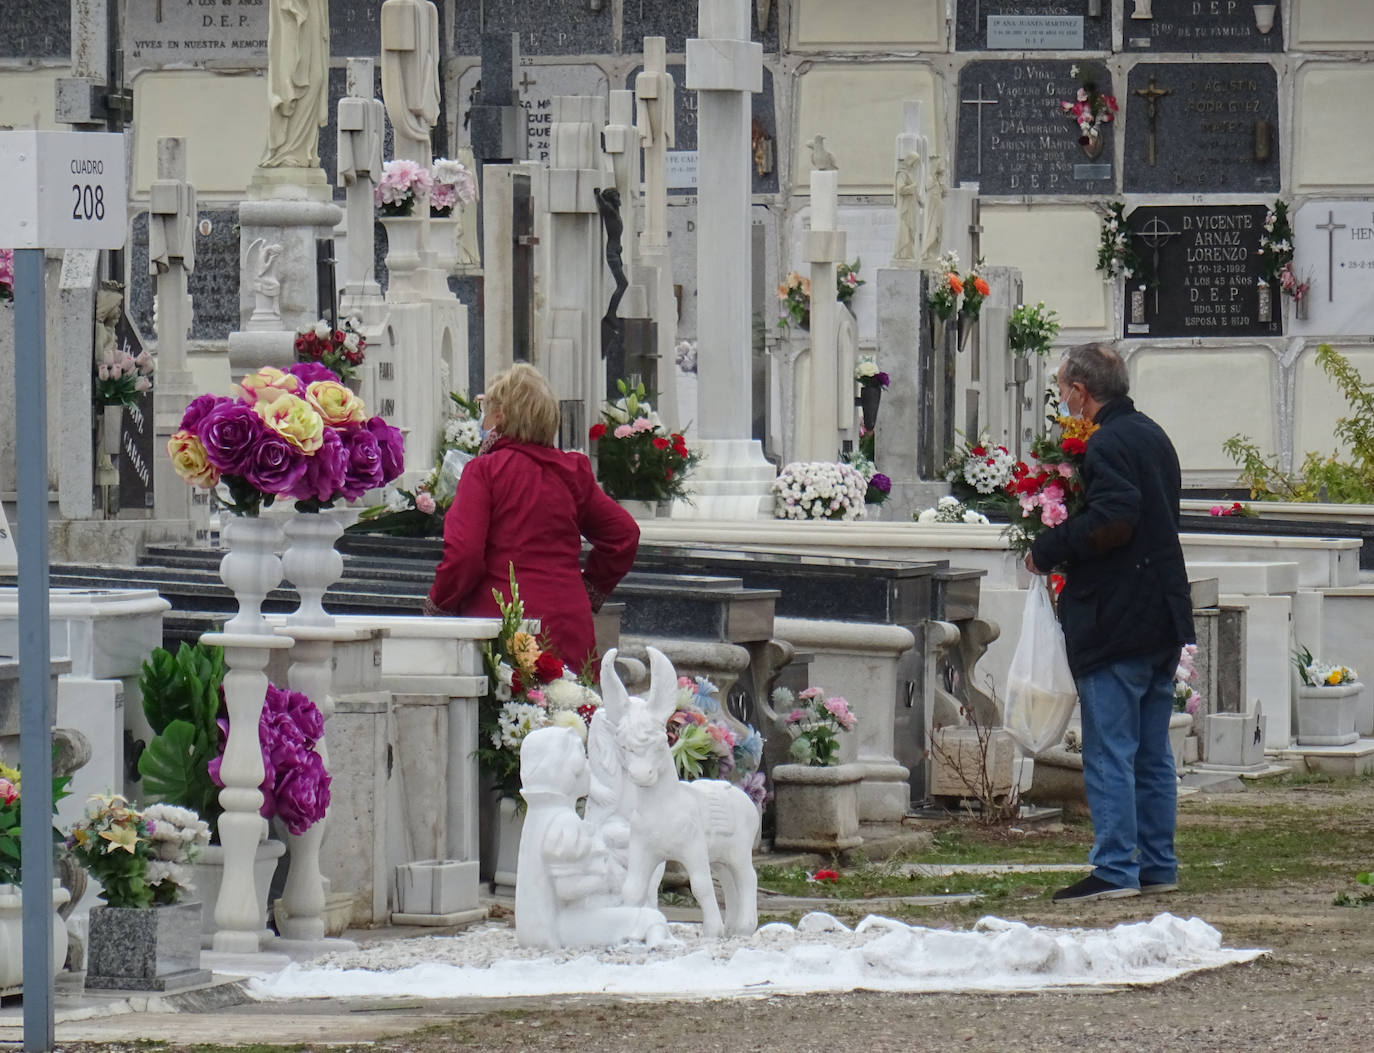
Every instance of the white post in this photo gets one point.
(361, 121)
(820, 422)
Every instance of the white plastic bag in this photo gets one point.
(1040, 689)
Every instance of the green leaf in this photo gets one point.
(175, 768)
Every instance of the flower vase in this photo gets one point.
(312, 564)
(870, 395)
(817, 808)
(1095, 144)
(404, 247)
(643, 510)
(968, 325)
(1327, 716)
(12, 936)
(1180, 724)
(1300, 308)
(112, 422)
(251, 568)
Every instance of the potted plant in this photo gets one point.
(1328, 701)
(147, 936)
(11, 885)
(1089, 109)
(817, 798)
(637, 462)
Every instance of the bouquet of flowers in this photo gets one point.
(814, 722)
(6, 275)
(685, 356)
(636, 460)
(452, 183)
(402, 184)
(1276, 243)
(298, 434)
(975, 292)
(1116, 253)
(847, 281)
(528, 687)
(977, 469)
(420, 512)
(819, 490)
(1186, 700)
(1032, 329)
(879, 485)
(1090, 108)
(1318, 674)
(11, 870)
(869, 375)
(944, 298)
(121, 377)
(139, 858)
(1045, 492)
(295, 784)
(1235, 508)
(795, 293)
(949, 510)
(1291, 285)
(706, 746)
(339, 350)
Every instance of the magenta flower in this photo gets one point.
(364, 470)
(324, 471)
(302, 794)
(392, 445)
(230, 432)
(309, 372)
(274, 466)
(198, 409)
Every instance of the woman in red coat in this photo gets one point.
(523, 502)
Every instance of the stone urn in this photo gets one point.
(145, 948)
(1327, 715)
(12, 936)
(817, 808)
(1180, 725)
(644, 510)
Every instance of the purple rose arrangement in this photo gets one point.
(295, 784)
(299, 434)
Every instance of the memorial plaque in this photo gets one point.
(1202, 128)
(1333, 250)
(546, 27)
(677, 21)
(1033, 25)
(1201, 272)
(538, 85)
(1204, 25)
(765, 128)
(1014, 137)
(135, 432)
(167, 33)
(355, 29)
(36, 29)
(214, 287)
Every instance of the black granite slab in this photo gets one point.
(1207, 272)
(1042, 24)
(1024, 143)
(355, 28)
(469, 291)
(546, 27)
(1206, 128)
(36, 29)
(136, 432)
(676, 21)
(214, 285)
(1201, 26)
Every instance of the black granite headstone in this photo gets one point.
(1014, 137)
(355, 29)
(1032, 25)
(1205, 268)
(1214, 128)
(676, 22)
(135, 432)
(36, 29)
(546, 27)
(1202, 26)
(214, 286)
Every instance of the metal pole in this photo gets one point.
(36, 713)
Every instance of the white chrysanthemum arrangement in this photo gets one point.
(950, 510)
(819, 490)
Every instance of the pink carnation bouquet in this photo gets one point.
(454, 185)
(402, 184)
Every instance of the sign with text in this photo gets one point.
(1205, 25)
(1333, 249)
(1035, 33)
(1201, 273)
(135, 431)
(62, 190)
(195, 32)
(682, 169)
(1033, 25)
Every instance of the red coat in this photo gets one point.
(531, 505)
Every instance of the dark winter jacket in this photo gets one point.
(1126, 591)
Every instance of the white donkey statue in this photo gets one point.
(708, 825)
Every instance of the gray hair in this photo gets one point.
(1100, 370)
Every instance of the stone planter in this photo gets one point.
(145, 948)
(642, 510)
(207, 873)
(817, 808)
(12, 936)
(1327, 715)
(1180, 724)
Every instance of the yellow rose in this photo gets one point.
(335, 403)
(1335, 678)
(293, 419)
(189, 461)
(267, 385)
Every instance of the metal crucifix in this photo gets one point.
(1152, 94)
(1330, 226)
(980, 102)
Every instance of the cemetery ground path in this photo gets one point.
(1314, 991)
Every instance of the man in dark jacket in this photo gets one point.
(1126, 611)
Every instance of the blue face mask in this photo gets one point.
(1064, 410)
(485, 433)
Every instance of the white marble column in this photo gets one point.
(819, 423)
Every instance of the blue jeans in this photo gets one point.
(1128, 769)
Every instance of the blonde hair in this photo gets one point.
(529, 408)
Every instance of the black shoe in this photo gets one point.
(1157, 888)
(1092, 887)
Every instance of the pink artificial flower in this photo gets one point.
(1193, 704)
(623, 431)
(838, 708)
(795, 717)
(1052, 513)
(686, 681)
(1065, 470)
(536, 696)
(1052, 494)
(9, 793)
(642, 424)
(721, 734)
(811, 692)
(424, 502)
(1215, 510)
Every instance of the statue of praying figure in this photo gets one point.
(297, 82)
(410, 74)
(261, 262)
(612, 328)
(908, 195)
(933, 240)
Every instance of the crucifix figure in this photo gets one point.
(1330, 226)
(1152, 95)
(159, 11)
(980, 102)
(1154, 234)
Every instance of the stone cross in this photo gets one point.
(1152, 94)
(980, 102)
(819, 418)
(497, 122)
(1330, 226)
(656, 123)
(361, 123)
(410, 74)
